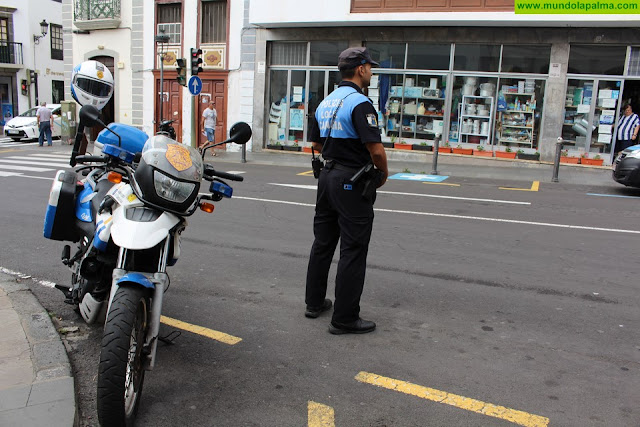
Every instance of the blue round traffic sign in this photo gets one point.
(195, 85)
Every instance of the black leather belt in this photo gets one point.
(332, 164)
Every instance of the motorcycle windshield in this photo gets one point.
(172, 158)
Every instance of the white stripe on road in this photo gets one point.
(468, 217)
(435, 196)
(43, 156)
(25, 168)
(32, 162)
(3, 174)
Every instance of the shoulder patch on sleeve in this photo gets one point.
(372, 119)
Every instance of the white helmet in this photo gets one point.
(91, 84)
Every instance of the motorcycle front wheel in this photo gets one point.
(121, 369)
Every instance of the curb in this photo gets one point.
(49, 398)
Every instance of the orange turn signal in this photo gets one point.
(207, 207)
(114, 177)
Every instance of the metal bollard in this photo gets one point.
(556, 161)
(243, 158)
(436, 144)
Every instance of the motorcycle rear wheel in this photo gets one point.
(121, 370)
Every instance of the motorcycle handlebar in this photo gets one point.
(209, 171)
(76, 145)
(90, 159)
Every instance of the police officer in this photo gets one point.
(345, 131)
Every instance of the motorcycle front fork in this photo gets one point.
(160, 281)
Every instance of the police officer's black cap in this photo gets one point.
(354, 57)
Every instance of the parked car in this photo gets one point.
(626, 169)
(25, 125)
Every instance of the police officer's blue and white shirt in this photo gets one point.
(355, 124)
(626, 126)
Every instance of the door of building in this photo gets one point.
(212, 90)
(172, 107)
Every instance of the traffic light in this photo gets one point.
(32, 76)
(24, 86)
(182, 71)
(196, 60)
(28, 77)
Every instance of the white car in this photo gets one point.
(25, 125)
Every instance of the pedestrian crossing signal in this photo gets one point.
(24, 87)
(196, 60)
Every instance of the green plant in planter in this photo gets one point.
(584, 156)
(520, 152)
(406, 170)
(597, 157)
(564, 153)
(508, 150)
(423, 143)
(480, 147)
(446, 144)
(393, 138)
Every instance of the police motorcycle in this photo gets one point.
(124, 212)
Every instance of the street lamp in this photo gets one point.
(162, 39)
(44, 29)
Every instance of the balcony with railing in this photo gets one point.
(96, 14)
(10, 54)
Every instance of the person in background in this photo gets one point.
(345, 130)
(628, 127)
(44, 118)
(209, 117)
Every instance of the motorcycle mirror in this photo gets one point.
(90, 116)
(240, 133)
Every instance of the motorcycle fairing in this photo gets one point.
(83, 203)
(103, 231)
(138, 278)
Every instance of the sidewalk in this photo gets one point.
(452, 165)
(36, 386)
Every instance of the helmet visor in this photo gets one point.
(93, 87)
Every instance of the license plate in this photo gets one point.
(12, 132)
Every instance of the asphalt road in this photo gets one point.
(514, 301)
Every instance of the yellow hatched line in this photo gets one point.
(320, 415)
(307, 173)
(534, 187)
(201, 330)
(489, 409)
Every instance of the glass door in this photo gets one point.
(578, 115)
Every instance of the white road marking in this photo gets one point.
(43, 156)
(46, 283)
(25, 168)
(467, 217)
(469, 199)
(4, 174)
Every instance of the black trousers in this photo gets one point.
(341, 214)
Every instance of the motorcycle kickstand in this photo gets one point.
(170, 337)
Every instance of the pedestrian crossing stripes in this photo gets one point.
(40, 163)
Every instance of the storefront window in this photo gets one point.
(519, 112)
(325, 53)
(525, 59)
(590, 59)
(422, 56)
(634, 62)
(476, 57)
(607, 103)
(389, 55)
(472, 110)
(277, 107)
(288, 53)
(576, 126)
(296, 108)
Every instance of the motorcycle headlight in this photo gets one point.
(171, 189)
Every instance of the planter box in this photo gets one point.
(465, 151)
(592, 162)
(418, 147)
(505, 155)
(444, 149)
(387, 144)
(291, 147)
(483, 153)
(274, 146)
(572, 160)
(403, 146)
(306, 150)
(527, 156)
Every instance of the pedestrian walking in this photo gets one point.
(44, 118)
(209, 117)
(628, 126)
(345, 130)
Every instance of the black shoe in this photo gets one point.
(360, 326)
(313, 312)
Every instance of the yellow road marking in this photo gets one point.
(320, 415)
(200, 330)
(489, 409)
(307, 173)
(534, 187)
(442, 183)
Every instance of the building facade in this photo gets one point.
(473, 71)
(30, 39)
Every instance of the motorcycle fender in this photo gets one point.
(140, 235)
(136, 278)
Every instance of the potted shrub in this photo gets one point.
(565, 158)
(274, 146)
(444, 148)
(506, 154)
(596, 161)
(482, 152)
(528, 156)
(460, 150)
(402, 145)
(423, 147)
(389, 144)
(293, 147)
